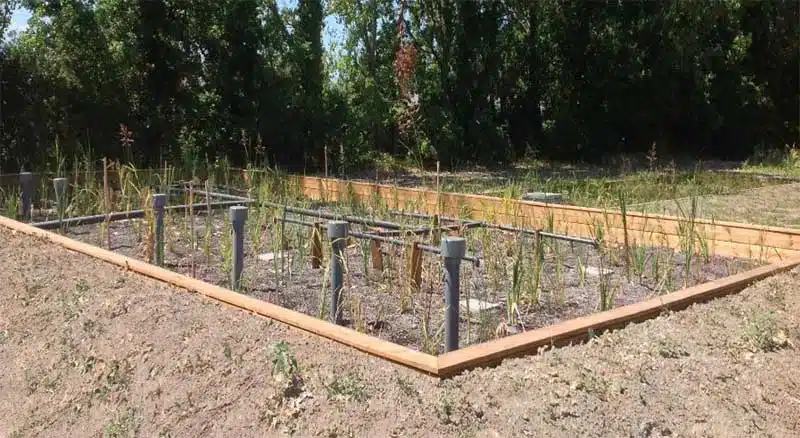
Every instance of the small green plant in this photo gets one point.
(348, 387)
(11, 203)
(762, 333)
(286, 370)
(639, 260)
(623, 207)
(538, 264)
(121, 426)
(606, 293)
(517, 277)
(687, 233)
(226, 248)
(581, 272)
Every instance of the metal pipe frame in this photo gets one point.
(504, 228)
(117, 216)
(387, 239)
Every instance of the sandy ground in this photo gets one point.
(87, 349)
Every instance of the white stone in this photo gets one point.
(269, 256)
(474, 306)
(595, 271)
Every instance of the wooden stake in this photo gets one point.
(316, 245)
(415, 270)
(377, 256)
(436, 232)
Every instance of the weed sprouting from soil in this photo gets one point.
(687, 232)
(124, 425)
(348, 387)
(761, 333)
(286, 370)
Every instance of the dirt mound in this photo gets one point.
(88, 349)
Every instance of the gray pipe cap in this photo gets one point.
(159, 200)
(238, 214)
(337, 229)
(454, 247)
(60, 184)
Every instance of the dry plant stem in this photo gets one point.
(191, 227)
(106, 202)
(208, 224)
(624, 211)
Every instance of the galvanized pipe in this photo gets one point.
(159, 202)
(122, 215)
(337, 234)
(453, 250)
(308, 212)
(238, 218)
(504, 228)
(425, 248)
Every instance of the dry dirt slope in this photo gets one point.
(87, 349)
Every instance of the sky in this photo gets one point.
(19, 20)
(332, 32)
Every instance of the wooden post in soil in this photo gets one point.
(316, 245)
(376, 255)
(415, 270)
(106, 203)
(436, 232)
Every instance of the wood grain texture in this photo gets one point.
(723, 238)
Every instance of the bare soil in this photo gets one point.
(88, 349)
(386, 305)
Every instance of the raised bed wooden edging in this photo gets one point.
(726, 238)
(723, 238)
(488, 353)
(369, 344)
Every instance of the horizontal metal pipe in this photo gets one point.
(426, 248)
(504, 228)
(546, 234)
(121, 215)
(308, 212)
(426, 231)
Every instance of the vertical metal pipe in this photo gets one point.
(60, 186)
(453, 249)
(159, 202)
(26, 179)
(238, 218)
(337, 234)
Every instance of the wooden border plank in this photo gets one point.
(369, 344)
(493, 352)
(729, 238)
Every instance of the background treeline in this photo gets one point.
(461, 81)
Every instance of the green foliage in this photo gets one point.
(491, 81)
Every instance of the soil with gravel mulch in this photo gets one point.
(88, 349)
(386, 305)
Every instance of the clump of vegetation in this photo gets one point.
(348, 387)
(761, 333)
(285, 370)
